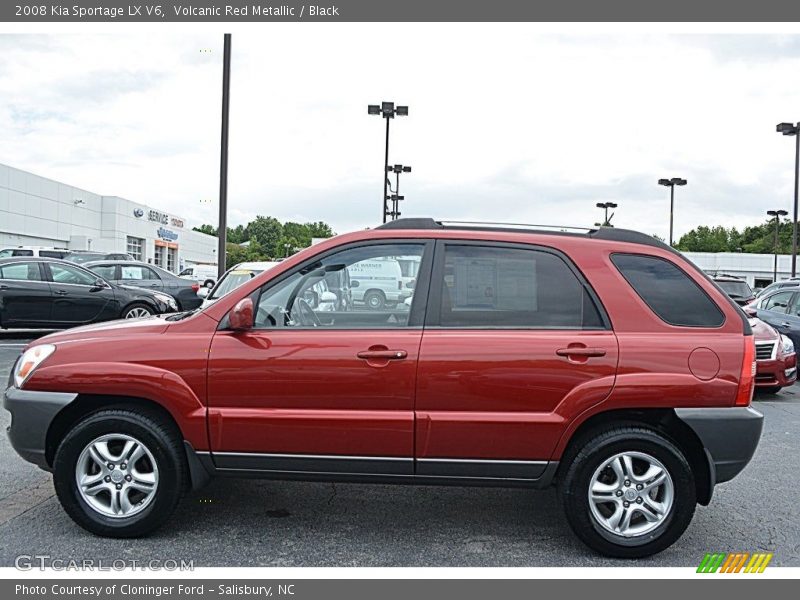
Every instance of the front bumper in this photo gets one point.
(729, 436)
(31, 416)
(777, 372)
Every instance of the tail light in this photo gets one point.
(195, 287)
(747, 378)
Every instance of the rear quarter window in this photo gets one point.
(669, 292)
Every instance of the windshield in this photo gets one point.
(738, 289)
(232, 280)
(83, 257)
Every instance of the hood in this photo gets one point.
(763, 332)
(151, 325)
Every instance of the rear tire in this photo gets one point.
(591, 467)
(135, 513)
(209, 284)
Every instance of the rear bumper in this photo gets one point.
(729, 436)
(31, 416)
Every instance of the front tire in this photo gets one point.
(628, 492)
(137, 310)
(375, 300)
(120, 472)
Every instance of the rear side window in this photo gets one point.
(500, 287)
(668, 291)
(21, 272)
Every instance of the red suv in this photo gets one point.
(601, 362)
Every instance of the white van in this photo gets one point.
(205, 275)
(42, 251)
(377, 283)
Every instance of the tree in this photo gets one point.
(207, 229)
(268, 231)
(320, 229)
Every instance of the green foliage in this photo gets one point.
(268, 239)
(756, 239)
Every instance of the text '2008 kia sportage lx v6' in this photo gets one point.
(601, 362)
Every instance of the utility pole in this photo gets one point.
(222, 230)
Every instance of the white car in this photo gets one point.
(205, 275)
(232, 279)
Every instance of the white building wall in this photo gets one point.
(35, 211)
(757, 269)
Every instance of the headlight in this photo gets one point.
(787, 345)
(168, 300)
(28, 362)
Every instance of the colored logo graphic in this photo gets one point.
(138, 212)
(738, 562)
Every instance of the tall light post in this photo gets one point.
(777, 214)
(387, 110)
(222, 230)
(605, 206)
(395, 196)
(792, 130)
(671, 183)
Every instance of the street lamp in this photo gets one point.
(605, 206)
(395, 196)
(387, 110)
(789, 129)
(777, 214)
(671, 183)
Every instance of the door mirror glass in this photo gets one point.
(241, 317)
(98, 285)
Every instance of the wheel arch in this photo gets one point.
(662, 420)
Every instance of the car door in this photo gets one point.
(76, 297)
(25, 299)
(140, 276)
(782, 311)
(329, 391)
(513, 333)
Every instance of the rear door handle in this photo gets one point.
(382, 354)
(578, 351)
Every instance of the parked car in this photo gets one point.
(778, 285)
(781, 310)
(776, 360)
(52, 294)
(738, 289)
(375, 284)
(139, 274)
(205, 275)
(232, 279)
(44, 252)
(602, 362)
(84, 256)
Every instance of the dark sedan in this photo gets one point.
(54, 294)
(139, 274)
(781, 309)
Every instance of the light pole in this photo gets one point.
(387, 110)
(222, 230)
(395, 196)
(605, 206)
(671, 183)
(789, 129)
(777, 214)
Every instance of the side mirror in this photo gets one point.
(203, 292)
(354, 283)
(241, 317)
(750, 312)
(99, 284)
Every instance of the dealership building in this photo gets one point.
(35, 211)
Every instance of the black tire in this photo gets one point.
(209, 283)
(589, 455)
(163, 441)
(769, 390)
(137, 306)
(374, 300)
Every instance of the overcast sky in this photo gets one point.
(504, 124)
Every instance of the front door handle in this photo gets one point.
(786, 324)
(382, 354)
(60, 293)
(580, 351)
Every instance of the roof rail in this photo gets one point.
(602, 233)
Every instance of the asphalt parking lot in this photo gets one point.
(266, 523)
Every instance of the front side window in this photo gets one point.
(368, 293)
(21, 272)
(68, 274)
(669, 292)
(777, 302)
(498, 287)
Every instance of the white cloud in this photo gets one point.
(505, 124)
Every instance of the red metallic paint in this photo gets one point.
(475, 393)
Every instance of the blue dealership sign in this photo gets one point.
(166, 234)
